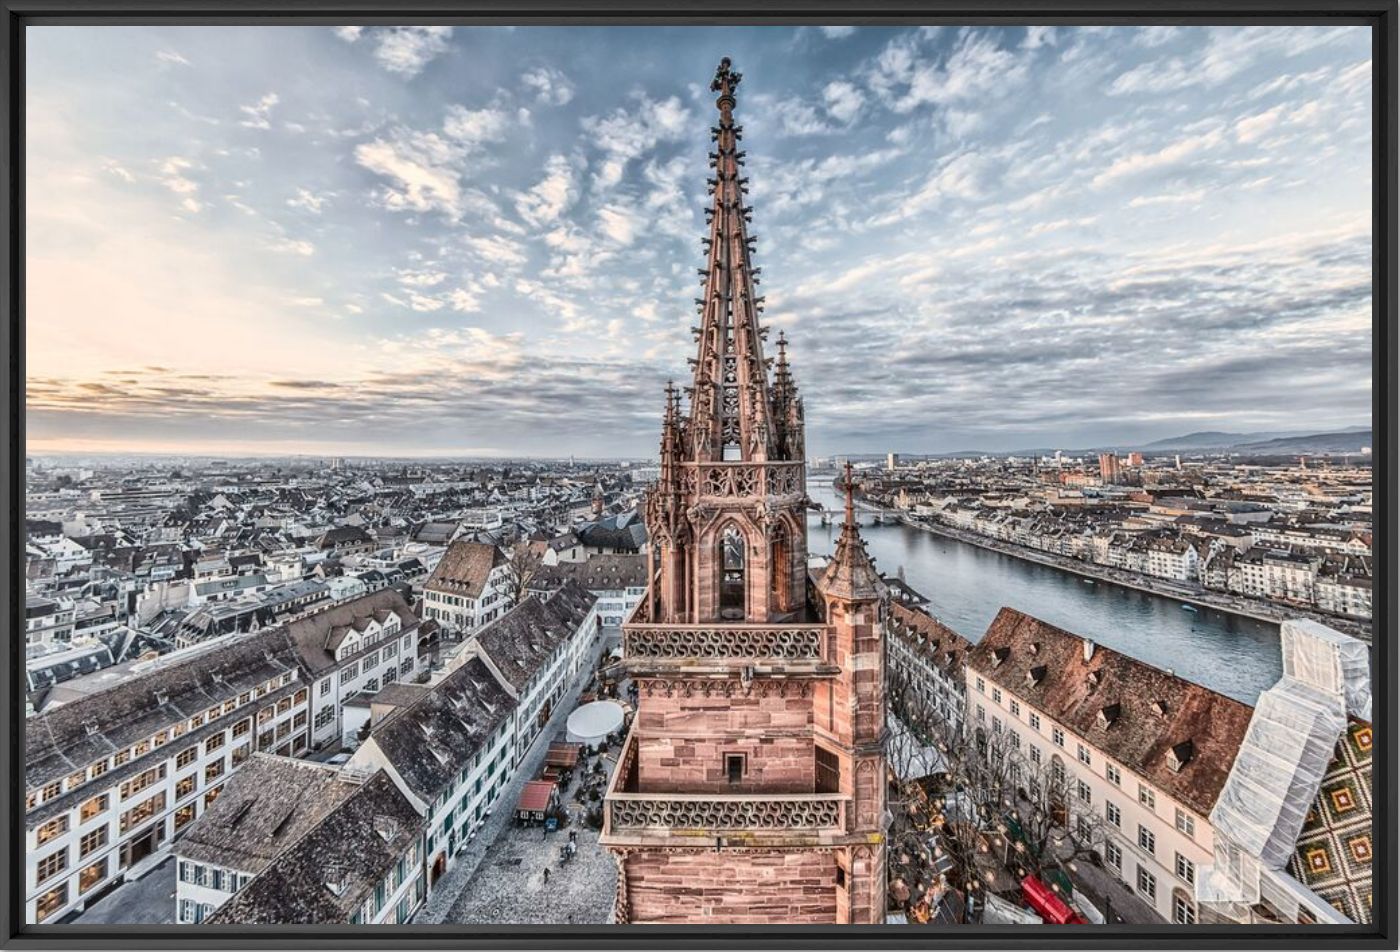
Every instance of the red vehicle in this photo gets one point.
(1047, 903)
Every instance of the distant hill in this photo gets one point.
(1348, 441)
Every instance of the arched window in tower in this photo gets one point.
(733, 550)
(779, 569)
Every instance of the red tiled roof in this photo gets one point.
(536, 796)
(1153, 713)
(464, 568)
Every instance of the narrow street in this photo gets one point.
(511, 859)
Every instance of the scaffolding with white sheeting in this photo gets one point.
(1277, 774)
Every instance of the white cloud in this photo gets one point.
(293, 246)
(171, 173)
(475, 127)
(464, 300)
(843, 100)
(631, 132)
(977, 69)
(112, 167)
(498, 249)
(426, 167)
(1153, 36)
(258, 112)
(424, 303)
(837, 32)
(551, 196)
(797, 118)
(549, 85)
(1256, 126)
(421, 279)
(407, 49)
(309, 201)
(1171, 155)
(348, 33)
(172, 58)
(1169, 198)
(621, 225)
(1227, 52)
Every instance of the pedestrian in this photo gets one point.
(546, 875)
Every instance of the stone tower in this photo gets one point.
(751, 788)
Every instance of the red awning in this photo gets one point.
(536, 796)
(1048, 904)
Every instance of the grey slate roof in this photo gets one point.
(74, 735)
(597, 573)
(267, 805)
(614, 532)
(355, 845)
(430, 740)
(317, 634)
(524, 638)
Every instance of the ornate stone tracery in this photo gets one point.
(789, 643)
(751, 813)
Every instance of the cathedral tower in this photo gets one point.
(751, 788)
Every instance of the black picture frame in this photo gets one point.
(1379, 15)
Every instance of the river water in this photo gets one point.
(968, 585)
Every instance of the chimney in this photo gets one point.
(1088, 650)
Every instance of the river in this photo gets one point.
(968, 585)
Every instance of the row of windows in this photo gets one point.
(56, 788)
(215, 877)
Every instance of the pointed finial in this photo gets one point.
(725, 81)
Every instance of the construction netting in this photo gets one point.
(1330, 661)
(1290, 741)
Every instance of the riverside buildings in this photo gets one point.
(751, 787)
(1289, 536)
(1202, 807)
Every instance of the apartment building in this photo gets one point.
(266, 806)
(469, 587)
(537, 650)
(449, 751)
(111, 779)
(619, 581)
(351, 650)
(1142, 753)
(926, 661)
(361, 864)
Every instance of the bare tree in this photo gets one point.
(524, 564)
(976, 809)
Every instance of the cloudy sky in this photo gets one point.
(471, 241)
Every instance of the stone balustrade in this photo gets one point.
(664, 642)
(757, 813)
(742, 480)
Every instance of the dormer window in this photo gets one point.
(999, 655)
(1035, 647)
(1035, 675)
(1094, 679)
(337, 879)
(1180, 755)
(1159, 708)
(1108, 715)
